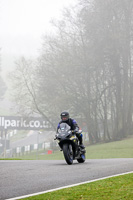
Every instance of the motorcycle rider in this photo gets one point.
(73, 124)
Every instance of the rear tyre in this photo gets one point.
(68, 153)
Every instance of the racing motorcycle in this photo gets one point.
(69, 144)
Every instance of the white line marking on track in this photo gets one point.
(68, 186)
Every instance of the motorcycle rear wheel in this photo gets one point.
(68, 153)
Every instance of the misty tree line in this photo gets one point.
(2, 83)
(85, 66)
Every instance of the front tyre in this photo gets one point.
(68, 153)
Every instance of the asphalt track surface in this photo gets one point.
(18, 178)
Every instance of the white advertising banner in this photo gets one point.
(31, 123)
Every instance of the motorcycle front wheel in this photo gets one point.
(68, 153)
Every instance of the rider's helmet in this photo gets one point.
(64, 116)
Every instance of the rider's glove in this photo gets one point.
(55, 137)
(73, 133)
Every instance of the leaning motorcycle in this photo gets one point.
(69, 144)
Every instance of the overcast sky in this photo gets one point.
(22, 24)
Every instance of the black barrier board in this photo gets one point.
(25, 123)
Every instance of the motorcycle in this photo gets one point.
(69, 144)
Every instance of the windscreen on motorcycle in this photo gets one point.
(64, 128)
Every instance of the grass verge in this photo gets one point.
(115, 188)
(117, 149)
(10, 159)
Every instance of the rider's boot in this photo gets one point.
(81, 142)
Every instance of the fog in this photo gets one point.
(81, 62)
(22, 25)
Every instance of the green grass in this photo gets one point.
(115, 188)
(56, 155)
(117, 149)
(10, 159)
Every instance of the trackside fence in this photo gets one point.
(24, 150)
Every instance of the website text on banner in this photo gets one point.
(15, 122)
